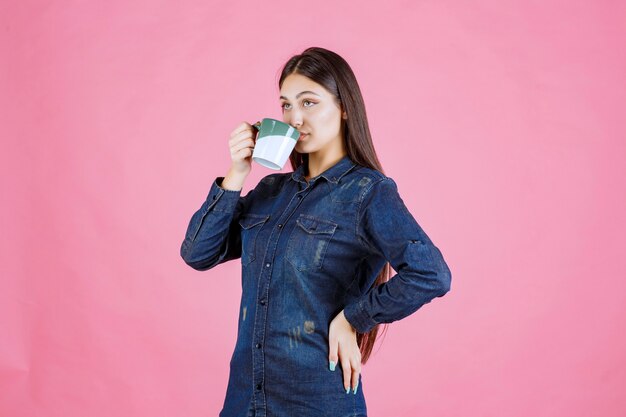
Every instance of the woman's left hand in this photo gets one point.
(343, 346)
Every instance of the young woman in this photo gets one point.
(315, 247)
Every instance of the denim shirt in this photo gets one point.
(309, 250)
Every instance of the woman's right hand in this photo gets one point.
(241, 143)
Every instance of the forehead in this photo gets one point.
(296, 83)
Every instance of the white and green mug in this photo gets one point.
(274, 143)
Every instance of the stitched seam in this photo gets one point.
(348, 170)
(356, 276)
(217, 197)
(358, 215)
(329, 239)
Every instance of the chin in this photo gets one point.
(308, 147)
(302, 149)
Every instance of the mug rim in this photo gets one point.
(284, 125)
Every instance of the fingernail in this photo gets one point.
(348, 390)
(332, 365)
(355, 388)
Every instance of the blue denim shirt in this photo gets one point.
(309, 250)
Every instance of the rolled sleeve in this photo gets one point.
(386, 228)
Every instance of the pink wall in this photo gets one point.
(114, 120)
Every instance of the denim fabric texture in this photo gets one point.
(309, 250)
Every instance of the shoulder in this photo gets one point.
(379, 194)
(366, 172)
(271, 184)
(371, 180)
(275, 178)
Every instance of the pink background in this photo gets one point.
(502, 123)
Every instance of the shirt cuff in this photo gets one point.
(221, 199)
(358, 317)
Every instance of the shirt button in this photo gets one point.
(267, 265)
(258, 345)
(280, 225)
(258, 386)
(262, 302)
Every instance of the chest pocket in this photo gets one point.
(309, 241)
(250, 224)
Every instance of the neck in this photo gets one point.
(325, 158)
(320, 163)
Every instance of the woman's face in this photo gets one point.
(311, 109)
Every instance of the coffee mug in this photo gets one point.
(274, 143)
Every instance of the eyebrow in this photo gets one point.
(300, 93)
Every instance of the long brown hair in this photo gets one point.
(333, 72)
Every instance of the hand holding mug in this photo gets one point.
(241, 143)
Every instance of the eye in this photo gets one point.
(311, 104)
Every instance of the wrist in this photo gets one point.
(345, 320)
(233, 180)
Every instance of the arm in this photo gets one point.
(386, 227)
(213, 235)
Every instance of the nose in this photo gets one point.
(294, 118)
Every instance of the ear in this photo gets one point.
(344, 116)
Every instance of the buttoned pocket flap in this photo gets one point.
(250, 220)
(312, 225)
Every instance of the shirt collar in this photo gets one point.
(332, 174)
